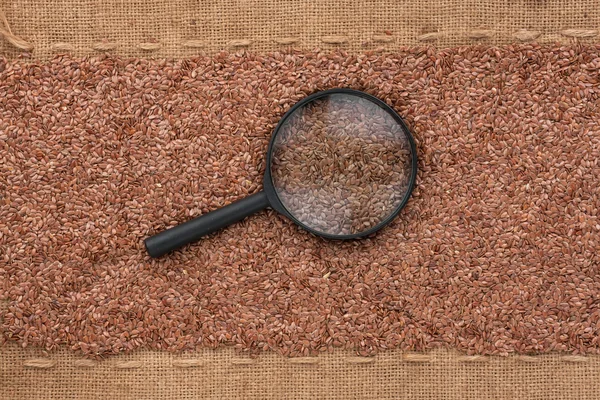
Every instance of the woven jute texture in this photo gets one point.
(222, 374)
(162, 28)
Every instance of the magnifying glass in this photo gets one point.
(341, 164)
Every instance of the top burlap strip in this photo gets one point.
(176, 29)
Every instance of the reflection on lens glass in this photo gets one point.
(341, 164)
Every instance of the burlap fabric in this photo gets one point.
(221, 374)
(161, 28)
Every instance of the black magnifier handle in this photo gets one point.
(191, 231)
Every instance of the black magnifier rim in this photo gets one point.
(269, 187)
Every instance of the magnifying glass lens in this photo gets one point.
(341, 164)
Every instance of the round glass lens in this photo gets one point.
(341, 164)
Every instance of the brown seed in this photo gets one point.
(495, 253)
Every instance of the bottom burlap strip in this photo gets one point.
(224, 374)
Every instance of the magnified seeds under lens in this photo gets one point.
(341, 164)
